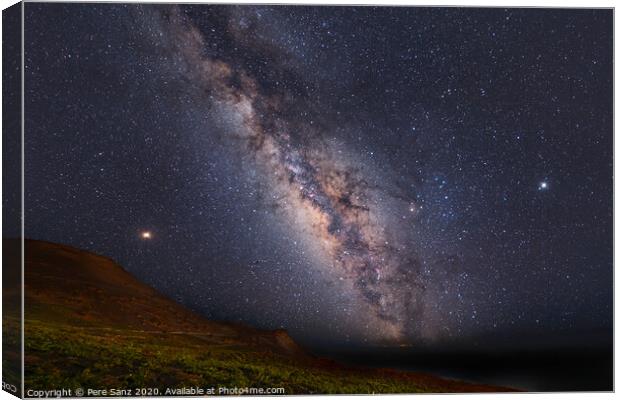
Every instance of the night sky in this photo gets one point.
(362, 175)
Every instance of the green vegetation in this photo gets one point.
(63, 356)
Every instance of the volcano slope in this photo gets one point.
(90, 324)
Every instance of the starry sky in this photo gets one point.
(362, 175)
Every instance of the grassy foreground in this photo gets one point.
(70, 357)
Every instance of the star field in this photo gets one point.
(362, 175)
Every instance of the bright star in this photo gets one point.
(146, 235)
(543, 186)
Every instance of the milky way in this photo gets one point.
(354, 175)
(324, 197)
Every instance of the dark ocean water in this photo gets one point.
(558, 370)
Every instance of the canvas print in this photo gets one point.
(302, 199)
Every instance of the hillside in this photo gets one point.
(91, 324)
